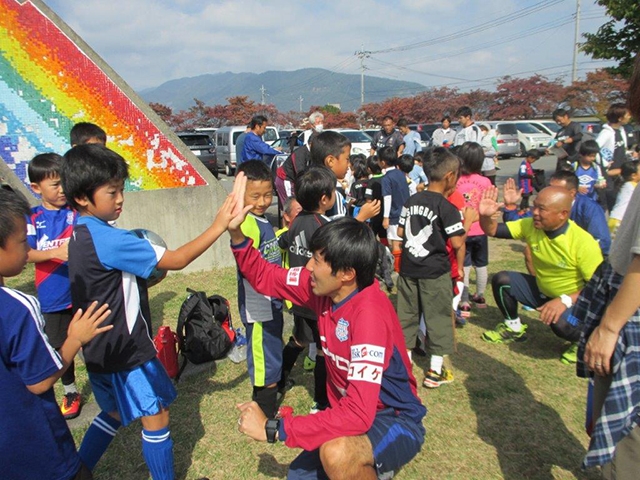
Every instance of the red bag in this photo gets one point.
(166, 343)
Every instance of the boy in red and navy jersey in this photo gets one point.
(49, 228)
(374, 423)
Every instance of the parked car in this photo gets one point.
(591, 127)
(360, 141)
(531, 138)
(633, 134)
(285, 145)
(202, 147)
(550, 128)
(225, 140)
(507, 138)
(208, 130)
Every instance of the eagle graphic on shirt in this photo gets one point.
(415, 243)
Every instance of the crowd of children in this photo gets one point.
(90, 280)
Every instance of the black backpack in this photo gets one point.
(205, 332)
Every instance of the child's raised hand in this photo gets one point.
(512, 194)
(233, 204)
(85, 326)
(489, 205)
(238, 211)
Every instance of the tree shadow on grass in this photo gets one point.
(530, 438)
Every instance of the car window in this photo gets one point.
(527, 128)
(554, 127)
(507, 129)
(356, 136)
(196, 140)
(270, 135)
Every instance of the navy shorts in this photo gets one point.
(140, 392)
(264, 352)
(477, 252)
(395, 439)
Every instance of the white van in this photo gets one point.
(225, 140)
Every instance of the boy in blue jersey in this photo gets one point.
(261, 316)
(35, 441)
(111, 265)
(49, 228)
(588, 172)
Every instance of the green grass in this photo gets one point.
(514, 411)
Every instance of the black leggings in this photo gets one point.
(511, 288)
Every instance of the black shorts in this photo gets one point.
(477, 253)
(305, 330)
(56, 325)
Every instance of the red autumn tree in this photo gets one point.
(594, 94)
(526, 97)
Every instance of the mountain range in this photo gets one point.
(316, 86)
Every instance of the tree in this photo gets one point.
(526, 97)
(619, 38)
(164, 112)
(594, 94)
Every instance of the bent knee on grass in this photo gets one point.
(348, 457)
(157, 421)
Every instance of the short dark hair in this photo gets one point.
(616, 111)
(566, 176)
(559, 112)
(447, 118)
(627, 169)
(402, 123)
(533, 153)
(464, 112)
(85, 168)
(13, 206)
(360, 168)
(85, 131)
(355, 157)
(256, 170)
(373, 165)
(420, 156)
(326, 144)
(257, 120)
(388, 155)
(347, 243)
(471, 155)
(43, 166)
(312, 185)
(405, 163)
(387, 117)
(589, 147)
(439, 162)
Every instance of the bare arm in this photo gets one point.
(83, 327)
(488, 207)
(38, 256)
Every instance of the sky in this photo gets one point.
(465, 44)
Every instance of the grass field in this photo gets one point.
(514, 411)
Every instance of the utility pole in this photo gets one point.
(362, 54)
(300, 99)
(574, 70)
(263, 93)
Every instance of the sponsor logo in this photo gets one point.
(367, 352)
(293, 276)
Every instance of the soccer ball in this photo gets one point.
(157, 275)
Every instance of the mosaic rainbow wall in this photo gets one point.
(48, 83)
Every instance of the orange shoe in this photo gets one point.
(71, 405)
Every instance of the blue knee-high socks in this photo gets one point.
(97, 439)
(157, 449)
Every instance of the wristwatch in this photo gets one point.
(566, 301)
(272, 430)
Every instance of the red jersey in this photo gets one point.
(368, 368)
(457, 200)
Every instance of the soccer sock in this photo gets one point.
(436, 363)
(290, 354)
(97, 439)
(320, 382)
(514, 324)
(157, 449)
(313, 351)
(68, 378)
(267, 399)
(465, 291)
(482, 276)
(71, 388)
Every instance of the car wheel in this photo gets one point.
(228, 170)
(523, 150)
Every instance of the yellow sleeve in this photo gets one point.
(520, 228)
(250, 229)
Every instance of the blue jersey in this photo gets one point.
(111, 265)
(35, 440)
(588, 177)
(46, 230)
(255, 307)
(394, 184)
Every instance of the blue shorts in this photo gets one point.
(264, 352)
(477, 251)
(395, 439)
(140, 392)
